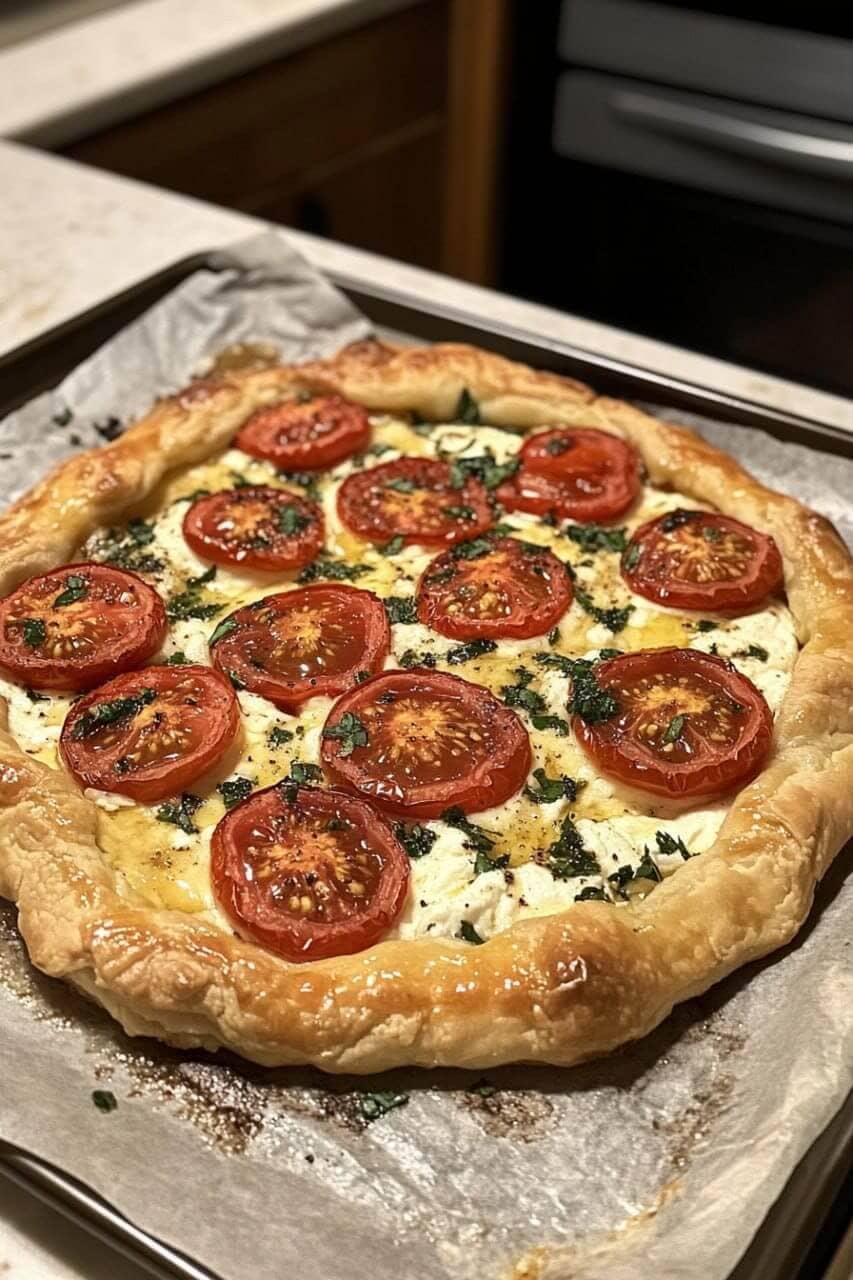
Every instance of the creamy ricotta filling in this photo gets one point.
(629, 839)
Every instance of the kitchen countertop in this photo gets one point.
(136, 54)
(70, 237)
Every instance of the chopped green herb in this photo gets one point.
(548, 790)
(401, 484)
(632, 556)
(106, 713)
(350, 731)
(104, 1100)
(484, 468)
(442, 576)
(278, 736)
(188, 604)
(290, 520)
(705, 624)
(180, 812)
(394, 546)
(401, 609)
(361, 676)
(612, 618)
(373, 1105)
(141, 532)
(558, 445)
(591, 893)
(325, 567)
(304, 773)
(557, 723)
(36, 697)
(63, 417)
(465, 652)
(237, 681)
(676, 519)
(76, 588)
(593, 537)
(223, 629)
(109, 429)
(34, 632)
(468, 933)
(669, 844)
(202, 579)
(674, 729)
(644, 870)
(460, 513)
(554, 636)
(753, 651)
(567, 856)
(233, 790)
(377, 450)
(483, 1089)
(176, 659)
(239, 481)
(470, 550)
(604, 654)
(477, 840)
(521, 696)
(416, 840)
(411, 658)
(467, 409)
(711, 533)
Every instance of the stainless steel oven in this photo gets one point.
(688, 173)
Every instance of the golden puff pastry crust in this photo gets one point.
(558, 988)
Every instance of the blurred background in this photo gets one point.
(682, 170)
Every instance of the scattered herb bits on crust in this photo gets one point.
(535, 861)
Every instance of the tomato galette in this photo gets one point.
(415, 707)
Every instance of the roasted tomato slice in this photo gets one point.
(303, 644)
(306, 435)
(308, 873)
(149, 733)
(76, 626)
(684, 724)
(577, 472)
(419, 742)
(512, 590)
(413, 498)
(701, 560)
(256, 527)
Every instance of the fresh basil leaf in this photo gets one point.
(233, 790)
(465, 652)
(33, 631)
(202, 579)
(468, 933)
(549, 790)
(401, 609)
(376, 1104)
(180, 812)
(674, 729)
(568, 857)
(394, 546)
(416, 840)
(76, 588)
(223, 629)
(669, 844)
(325, 568)
(290, 520)
(105, 1100)
(593, 537)
(115, 711)
(350, 731)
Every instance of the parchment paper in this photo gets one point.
(660, 1160)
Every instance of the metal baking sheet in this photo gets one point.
(790, 1228)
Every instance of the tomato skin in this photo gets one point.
(272, 818)
(119, 623)
(513, 592)
(200, 718)
(306, 435)
(429, 760)
(355, 618)
(411, 498)
(658, 561)
(240, 527)
(594, 476)
(699, 765)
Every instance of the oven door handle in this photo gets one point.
(807, 153)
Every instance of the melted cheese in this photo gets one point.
(161, 864)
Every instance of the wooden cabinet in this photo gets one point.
(353, 138)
